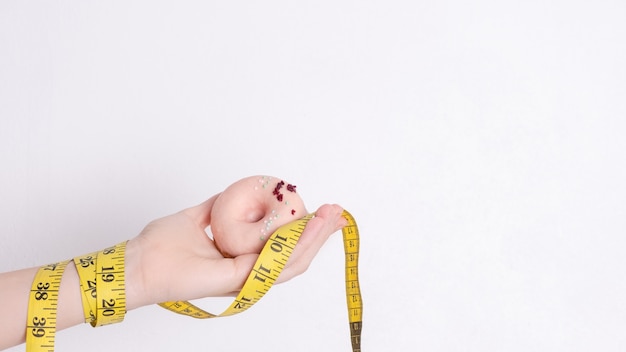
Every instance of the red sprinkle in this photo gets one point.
(279, 185)
(293, 211)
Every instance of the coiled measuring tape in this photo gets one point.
(101, 276)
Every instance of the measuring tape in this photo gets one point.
(42, 304)
(101, 276)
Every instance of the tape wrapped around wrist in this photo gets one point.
(102, 284)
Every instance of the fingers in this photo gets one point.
(222, 276)
(332, 212)
(328, 220)
(201, 213)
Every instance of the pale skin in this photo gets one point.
(172, 259)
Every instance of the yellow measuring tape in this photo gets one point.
(42, 304)
(101, 276)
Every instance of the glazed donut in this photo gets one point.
(247, 212)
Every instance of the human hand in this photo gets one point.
(173, 258)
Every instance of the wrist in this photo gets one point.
(136, 292)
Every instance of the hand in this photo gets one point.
(173, 258)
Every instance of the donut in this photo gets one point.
(247, 212)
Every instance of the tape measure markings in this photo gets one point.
(43, 299)
(186, 308)
(110, 286)
(86, 268)
(353, 292)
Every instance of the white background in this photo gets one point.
(478, 144)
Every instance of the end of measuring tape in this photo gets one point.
(101, 276)
(351, 244)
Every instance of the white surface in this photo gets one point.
(478, 144)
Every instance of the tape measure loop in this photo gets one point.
(102, 283)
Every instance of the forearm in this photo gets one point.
(15, 289)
